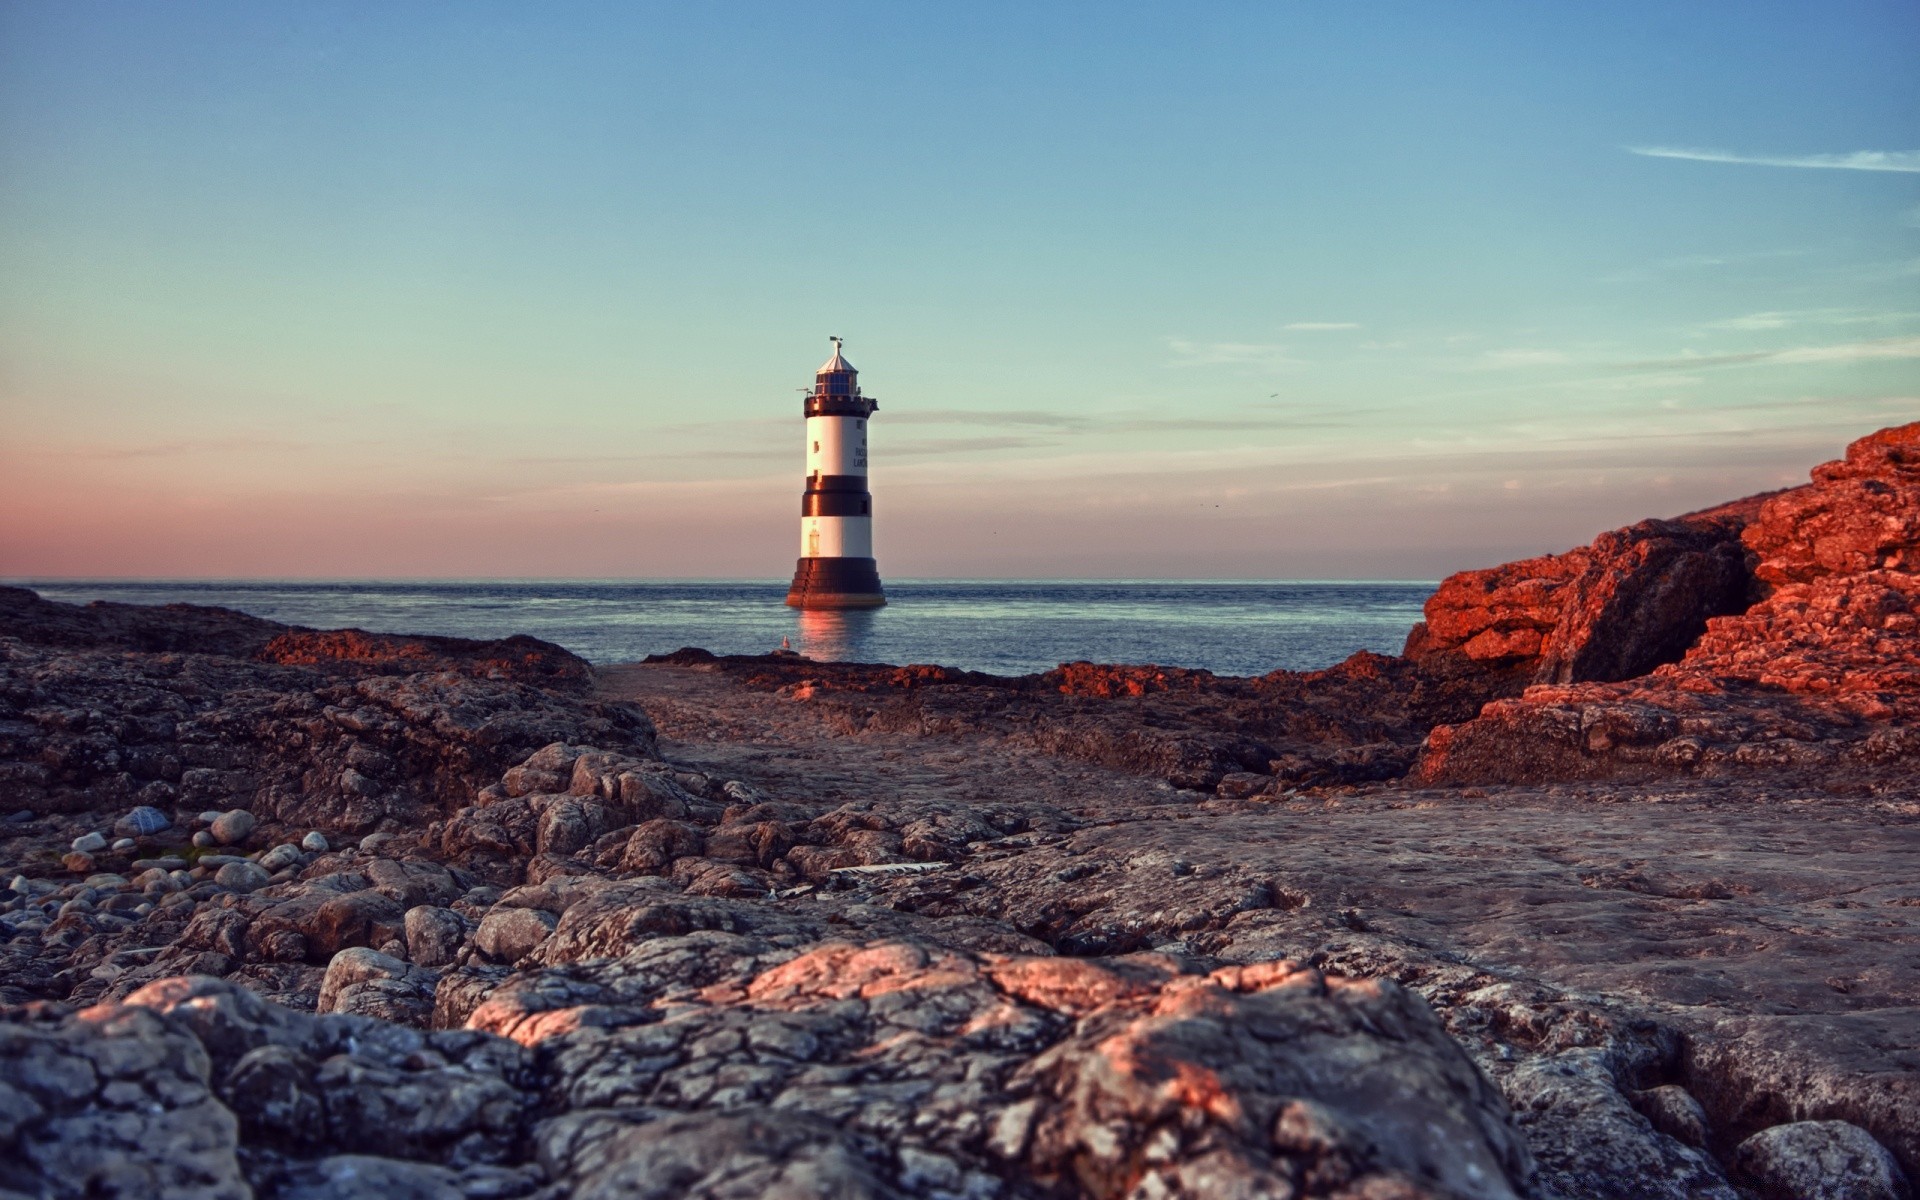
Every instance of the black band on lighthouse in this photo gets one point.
(836, 504)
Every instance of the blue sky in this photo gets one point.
(1221, 290)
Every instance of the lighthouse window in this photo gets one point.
(816, 447)
(859, 424)
(864, 505)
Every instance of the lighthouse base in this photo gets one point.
(836, 583)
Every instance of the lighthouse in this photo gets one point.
(836, 568)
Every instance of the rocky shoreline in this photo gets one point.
(1604, 888)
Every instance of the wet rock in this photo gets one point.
(143, 821)
(232, 827)
(1820, 1160)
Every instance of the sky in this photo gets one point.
(1253, 291)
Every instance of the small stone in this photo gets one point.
(144, 821)
(208, 817)
(232, 827)
(1820, 1160)
(89, 843)
(75, 907)
(280, 857)
(241, 876)
(78, 863)
(314, 843)
(106, 881)
(371, 843)
(204, 840)
(122, 845)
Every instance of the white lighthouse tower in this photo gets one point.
(836, 568)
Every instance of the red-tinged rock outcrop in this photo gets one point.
(1633, 599)
(1821, 676)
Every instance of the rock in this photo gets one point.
(373, 984)
(364, 1177)
(78, 863)
(89, 843)
(241, 876)
(1673, 1111)
(314, 843)
(1635, 598)
(123, 845)
(507, 935)
(434, 935)
(232, 827)
(1819, 677)
(205, 840)
(1820, 1160)
(280, 858)
(114, 1104)
(143, 821)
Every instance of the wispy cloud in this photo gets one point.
(1320, 326)
(1511, 360)
(1860, 160)
(1214, 354)
(1844, 352)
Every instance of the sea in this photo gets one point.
(1007, 627)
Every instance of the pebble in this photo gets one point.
(122, 845)
(203, 839)
(75, 906)
(143, 821)
(280, 857)
(89, 843)
(232, 827)
(208, 817)
(241, 876)
(21, 817)
(78, 863)
(107, 880)
(373, 841)
(314, 843)
(165, 864)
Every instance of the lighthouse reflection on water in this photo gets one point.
(835, 634)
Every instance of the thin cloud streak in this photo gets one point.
(1320, 326)
(1906, 161)
(1845, 352)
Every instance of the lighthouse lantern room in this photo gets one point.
(836, 568)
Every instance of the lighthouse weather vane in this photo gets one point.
(836, 567)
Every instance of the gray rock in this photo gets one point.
(357, 964)
(89, 843)
(143, 821)
(232, 827)
(204, 840)
(364, 1177)
(1820, 1160)
(314, 843)
(280, 858)
(114, 1107)
(241, 876)
(434, 935)
(122, 845)
(1673, 1111)
(509, 934)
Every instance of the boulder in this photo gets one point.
(1820, 1160)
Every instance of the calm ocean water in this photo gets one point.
(1007, 627)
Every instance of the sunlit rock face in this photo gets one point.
(1820, 675)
